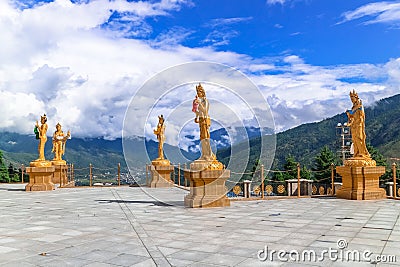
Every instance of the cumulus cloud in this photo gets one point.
(378, 12)
(306, 93)
(77, 63)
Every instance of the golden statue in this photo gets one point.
(356, 122)
(159, 132)
(40, 132)
(59, 140)
(201, 107)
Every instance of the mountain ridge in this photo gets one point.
(303, 141)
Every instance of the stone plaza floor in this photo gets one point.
(125, 226)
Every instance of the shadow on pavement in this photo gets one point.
(154, 203)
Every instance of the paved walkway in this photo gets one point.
(126, 227)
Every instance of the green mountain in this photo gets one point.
(21, 149)
(104, 155)
(306, 141)
(303, 143)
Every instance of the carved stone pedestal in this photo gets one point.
(160, 174)
(361, 182)
(207, 188)
(40, 178)
(60, 174)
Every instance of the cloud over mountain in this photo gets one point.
(81, 62)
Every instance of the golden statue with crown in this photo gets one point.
(207, 175)
(360, 175)
(40, 170)
(160, 168)
(59, 141)
(41, 134)
(201, 106)
(356, 122)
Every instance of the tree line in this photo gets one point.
(10, 174)
(320, 168)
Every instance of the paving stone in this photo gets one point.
(126, 260)
(223, 259)
(124, 227)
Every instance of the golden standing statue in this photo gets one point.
(59, 141)
(41, 132)
(159, 132)
(200, 108)
(356, 122)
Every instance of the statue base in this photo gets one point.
(360, 182)
(202, 165)
(360, 162)
(40, 178)
(207, 188)
(160, 171)
(158, 161)
(40, 163)
(58, 162)
(60, 172)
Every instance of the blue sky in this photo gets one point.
(82, 61)
(315, 30)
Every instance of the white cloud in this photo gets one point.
(222, 31)
(58, 59)
(171, 37)
(305, 93)
(273, 2)
(226, 21)
(219, 38)
(378, 12)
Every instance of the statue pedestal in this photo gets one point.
(60, 172)
(40, 178)
(360, 182)
(160, 171)
(207, 188)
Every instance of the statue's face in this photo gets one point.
(353, 99)
(43, 120)
(58, 127)
(200, 93)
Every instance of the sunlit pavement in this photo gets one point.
(124, 226)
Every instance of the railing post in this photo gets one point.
(298, 180)
(173, 174)
(184, 178)
(179, 174)
(394, 180)
(90, 174)
(61, 175)
(69, 173)
(73, 172)
(22, 173)
(262, 180)
(147, 174)
(119, 174)
(333, 178)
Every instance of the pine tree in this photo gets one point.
(4, 177)
(290, 167)
(322, 163)
(305, 173)
(380, 161)
(377, 156)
